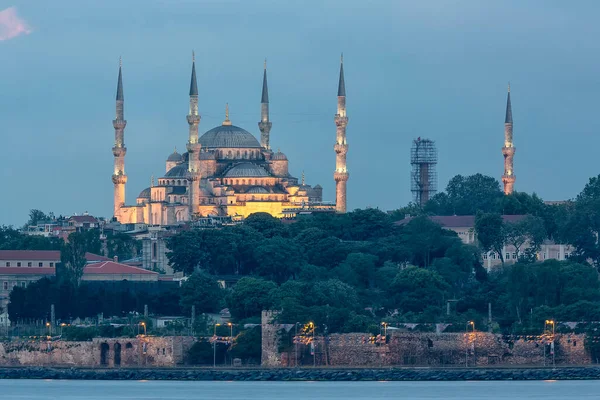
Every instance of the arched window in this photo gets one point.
(243, 181)
(229, 154)
(238, 154)
(237, 181)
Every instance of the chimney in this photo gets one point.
(116, 258)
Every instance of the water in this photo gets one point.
(174, 390)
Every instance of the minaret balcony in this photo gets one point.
(119, 151)
(119, 179)
(341, 176)
(119, 124)
(341, 148)
(193, 147)
(341, 121)
(508, 151)
(193, 119)
(265, 126)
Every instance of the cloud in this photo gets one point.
(11, 25)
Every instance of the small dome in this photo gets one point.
(144, 194)
(279, 156)
(246, 169)
(258, 189)
(317, 186)
(175, 157)
(207, 155)
(179, 171)
(225, 136)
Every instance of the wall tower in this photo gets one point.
(423, 177)
(508, 151)
(193, 145)
(264, 125)
(341, 147)
(119, 150)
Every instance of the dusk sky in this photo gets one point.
(431, 68)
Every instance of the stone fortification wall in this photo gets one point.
(100, 352)
(270, 340)
(456, 349)
(436, 350)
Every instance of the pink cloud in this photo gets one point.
(11, 25)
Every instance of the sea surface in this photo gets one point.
(171, 390)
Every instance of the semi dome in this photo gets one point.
(144, 194)
(258, 189)
(279, 156)
(246, 169)
(225, 136)
(179, 171)
(175, 157)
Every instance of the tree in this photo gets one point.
(37, 216)
(278, 259)
(265, 224)
(529, 230)
(363, 265)
(466, 196)
(202, 291)
(413, 285)
(491, 233)
(426, 240)
(247, 345)
(72, 258)
(249, 297)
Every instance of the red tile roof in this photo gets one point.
(459, 221)
(111, 267)
(42, 255)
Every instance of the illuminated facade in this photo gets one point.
(508, 151)
(225, 172)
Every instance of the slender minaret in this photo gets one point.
(193, 146)
(508, 151)
(341, 147)
(119, 178)
(264, 125)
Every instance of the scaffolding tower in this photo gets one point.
(423, 159)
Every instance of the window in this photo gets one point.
(18, 263)
(508, 256)
(29, 264)
(5, 286)
(8, 263)
(23, 284)
(41, 264)
(567, 255)
(493, 256)
(51, 264)
(485, 256)
(514, 256)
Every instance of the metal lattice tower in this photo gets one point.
(423, 177)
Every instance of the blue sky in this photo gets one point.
(436, 69)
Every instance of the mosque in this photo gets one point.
(226, 171)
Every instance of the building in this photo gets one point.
(508, 151)
(21, 267)
(225, 172)
(464, 226)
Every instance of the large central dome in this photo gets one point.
(227, 136)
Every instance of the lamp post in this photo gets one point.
(550, 322)
(314, 346)
(470, 323)
(49, 328)
(296, 342)
(215, 346)
(385, 325)
(61, 328)
(144, 325)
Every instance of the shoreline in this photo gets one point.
(308, 374)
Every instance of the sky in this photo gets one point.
(435, 69)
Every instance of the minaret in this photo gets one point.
(508, 151)
(264, 125)
(119, 178)
(193, 146)
(341, 147)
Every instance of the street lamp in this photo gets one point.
(551, 322)
(61, 328)
(215, 346)
(49, 328)
(385, 325)
(296, 342)
(314, 347)
(144, 325)
(230, 331)
(470, 323)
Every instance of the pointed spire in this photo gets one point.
(302, 178)
(342, 85)
(152, 181)
(120, 82)
(193, 83)
(508, 119)
(265, 90)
